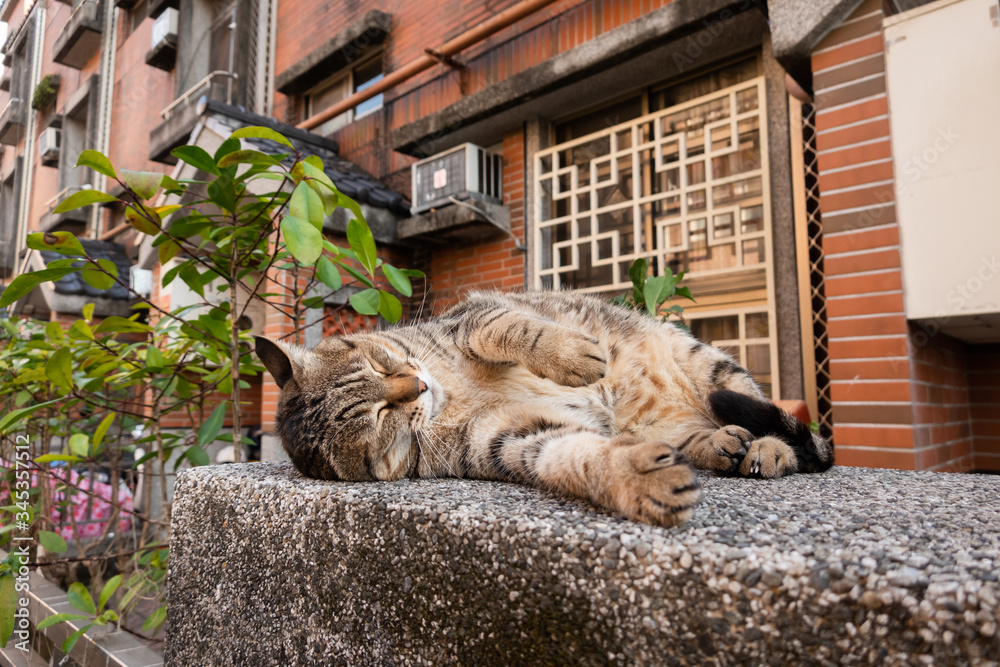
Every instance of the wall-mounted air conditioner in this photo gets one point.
(49, 142)
(165, 29)
(141, 280)
(464, 169)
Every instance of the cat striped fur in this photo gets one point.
(555, 390)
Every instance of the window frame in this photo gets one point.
(547, 192)
(348, 74)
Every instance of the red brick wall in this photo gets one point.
(416, 26)
(141, 92)
(901, 398)
(868, 342)
(942, 436)
(983, 363)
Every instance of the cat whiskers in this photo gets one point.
(428, 451)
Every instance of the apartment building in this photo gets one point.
(548, 144)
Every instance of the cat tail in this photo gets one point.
(762, 418)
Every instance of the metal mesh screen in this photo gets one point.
(816, 272)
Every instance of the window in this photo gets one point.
(339, 88)
(676, 174)
(745, 337)
(8, 221)
(74, 141)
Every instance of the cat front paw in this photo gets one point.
(566, 356)
(724, 451)
(769, 458)
(652, 483)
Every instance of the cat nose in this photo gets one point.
(405, 389)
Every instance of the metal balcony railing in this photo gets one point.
(207, 86)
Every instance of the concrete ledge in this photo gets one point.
(850, 566)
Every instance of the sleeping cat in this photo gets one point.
(555, 390)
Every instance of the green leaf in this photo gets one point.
(82, 198)
(99, 279)
(227, 147)
(189, 274)
(146, 222)
(168, 251)
(81, 330)
(303, 239)
(197, 157)
(212, 425)
(73, 638)
(8, 605)
(155, 620)
(260, 132)
(64, 243)
(362, 243)
(88, 311)
(305, 204)
(655, 291)
(316, 178)
(48, 458)
(58, 368)
(366, 301)
(49, 621)
(109, 589)
(105, 424)
(247, 156)
(79, 597)
(54, 332)
(96, 161)
(357, 275)
(26, 282)
(328, 273)
(197, 456)
(684, 292)
(53, 542)
(22, 397)
(389, 306)
(398, 279)
(12, 418)
(143, 183)
(79, 444)
(117, 324)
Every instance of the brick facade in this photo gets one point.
(903, 397)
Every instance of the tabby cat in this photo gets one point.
(555, 390)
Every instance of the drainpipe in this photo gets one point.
(105, 99)
(430, 58)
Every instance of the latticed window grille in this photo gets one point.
(821, 341)
(685, 187)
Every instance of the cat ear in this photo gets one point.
(275, 360)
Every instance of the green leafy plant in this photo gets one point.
(45, 92)
(94, 394)
(650, 293)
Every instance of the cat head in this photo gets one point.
(349, 408)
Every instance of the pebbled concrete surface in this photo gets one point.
(854, 566)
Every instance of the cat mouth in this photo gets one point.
(433, 399)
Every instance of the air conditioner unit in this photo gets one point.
(463, 169)
(48, 145)
(141, 280)
(165, 28)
